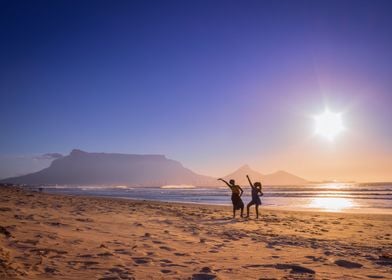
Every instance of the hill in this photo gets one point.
(83, 168)
(276, 178)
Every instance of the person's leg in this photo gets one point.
(242, 210)
(233, 211)
(257, 211)
(247, 208)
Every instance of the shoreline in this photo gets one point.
(55, 236)
(354, 210)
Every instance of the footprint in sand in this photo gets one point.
(181, 254)
(50, 270)
(86, 220)
(122, 252)
(5, 232)
(203, 276)
(141, 260)
(86, 256)
(295, 269)
(166, 248)
(47, 251)
(105, 254)
(213, 251)
(206, 269)
(109, 278)
(191, 262)
(316, 259)
(119, 273)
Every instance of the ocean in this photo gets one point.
(332, 197)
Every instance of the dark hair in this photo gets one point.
(258, 184)
(232, 182)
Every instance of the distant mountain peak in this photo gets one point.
(76, 152)
(240, 174)
(279, 177)
(280, 172)
(282, 177)
(244, 167)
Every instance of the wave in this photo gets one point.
(86, 188)
(178, 187)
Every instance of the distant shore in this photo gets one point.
(48, 236)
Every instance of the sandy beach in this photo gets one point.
(46, 236)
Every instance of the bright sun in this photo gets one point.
(329, 124)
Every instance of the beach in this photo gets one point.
(53, 236)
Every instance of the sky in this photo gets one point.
(212, 84)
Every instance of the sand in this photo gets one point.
(46, 236)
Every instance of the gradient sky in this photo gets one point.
(213, 84)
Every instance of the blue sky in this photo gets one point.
(213, 84)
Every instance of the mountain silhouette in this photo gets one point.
(283, 178)
(277, 178)
(83, 168)
(240, 175)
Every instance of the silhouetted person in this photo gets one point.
(256, 190)
(236, 193)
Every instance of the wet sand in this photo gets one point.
(47, 236)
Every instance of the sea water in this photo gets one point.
(335, 197)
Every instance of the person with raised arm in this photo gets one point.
(236, 193)
(256, 189)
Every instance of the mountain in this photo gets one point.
(83, 168)
(277, 178)
(283, 178)
(18, 165)
(240, 175)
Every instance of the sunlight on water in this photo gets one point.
(335, 185)
(331, 203)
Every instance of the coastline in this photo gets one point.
(55, 236)
(352, 199)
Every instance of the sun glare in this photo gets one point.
(331, 203)
(329, 124)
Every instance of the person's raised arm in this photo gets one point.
(224, 181)
(250, 182)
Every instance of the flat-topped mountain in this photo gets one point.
(276, 178)
(83, 168)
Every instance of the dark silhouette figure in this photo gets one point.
(256, 189)
(236, 193)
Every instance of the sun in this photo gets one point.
(329, 124)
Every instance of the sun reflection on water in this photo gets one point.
(332, 203)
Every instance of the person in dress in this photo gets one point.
(256, 191)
